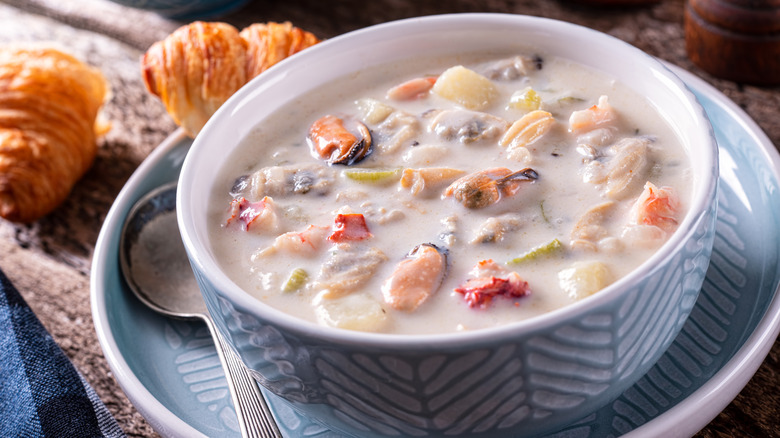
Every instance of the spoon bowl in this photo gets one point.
(154, 264)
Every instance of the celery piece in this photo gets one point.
(544, 216)
(546, 249)
(526, 99)
(296, 280)
(373, 176)
(570, 99)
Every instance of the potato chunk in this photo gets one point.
(374, 111)
(584, 279)
(351, 312)
(465, 87)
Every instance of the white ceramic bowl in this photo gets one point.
(535, 375)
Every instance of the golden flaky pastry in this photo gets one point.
(200, 65)
(49, 102)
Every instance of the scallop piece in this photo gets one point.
(510, 69)
(415, 278)
(279, 181)
(339, 140)
(381, 215)
(494, 229)
(348, 267)
(627, 169)
(594, 172)
(521, 155)
(588, 152)
(598, 137)
(467, 126)
(643, 236)
(397, 130)
(425, 155)
(448, 236)
(590, 228)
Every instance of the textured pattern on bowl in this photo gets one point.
(536, 382)
(538, 374)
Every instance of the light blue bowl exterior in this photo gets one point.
(536, 380)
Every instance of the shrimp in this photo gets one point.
(597, 116)
(652, 217)
(416, 278)
(416, 180)
(306, 243)
(656, 206)
(486, 187)
(412, 89)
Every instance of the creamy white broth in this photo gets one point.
(544, 210)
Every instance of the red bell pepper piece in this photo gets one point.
(349, 227)
(479, 292)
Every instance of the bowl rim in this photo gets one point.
(702, 201)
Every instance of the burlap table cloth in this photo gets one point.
(49, 261)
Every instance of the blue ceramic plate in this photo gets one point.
(170, 371)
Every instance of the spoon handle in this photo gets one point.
(254, 416)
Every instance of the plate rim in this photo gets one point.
(708, 401)
(704, 404)
(159, 417)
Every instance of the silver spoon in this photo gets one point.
(155, 266)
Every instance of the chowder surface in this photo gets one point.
(586, 246)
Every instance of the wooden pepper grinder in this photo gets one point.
(737, 40)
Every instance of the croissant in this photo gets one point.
(270, 43)
(49, 102)
(200, 65)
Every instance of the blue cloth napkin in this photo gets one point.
(41, 392)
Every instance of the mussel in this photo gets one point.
(486, 187)
(415, 278)
(339, 140)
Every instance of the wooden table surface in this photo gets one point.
(49, 260)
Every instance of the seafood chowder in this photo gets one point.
(449, 194)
